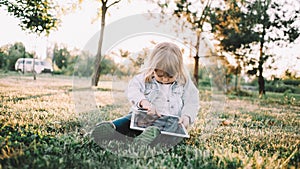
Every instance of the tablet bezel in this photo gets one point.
(133, 126)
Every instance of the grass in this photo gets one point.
(40, 128)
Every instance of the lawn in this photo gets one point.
(46, 123)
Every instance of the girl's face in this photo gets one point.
(163, 77)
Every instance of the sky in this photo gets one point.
(77, 29)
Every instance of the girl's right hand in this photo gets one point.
(145, 104)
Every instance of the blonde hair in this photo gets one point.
(167, 57)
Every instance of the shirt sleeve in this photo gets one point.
(190, 101)
(135, 90)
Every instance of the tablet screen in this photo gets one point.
(168, 124)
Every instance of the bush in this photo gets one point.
(204, 83)
(58, 72)
(279, 88)
(297, 90)
(293, 82)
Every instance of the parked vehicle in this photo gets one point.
(30, 64)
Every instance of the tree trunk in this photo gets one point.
(261, 83)
(23, 63)
(236, 80)
(261, 80)
(196, 58)
(97, 67)
(33, 69)
(196, 69)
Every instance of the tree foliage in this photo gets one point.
(193, 14)
(246, 28)
(37, 16)
(61, 57)
(9, 54)
(84, 65)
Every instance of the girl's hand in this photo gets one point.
(185, 120)
(145, 104)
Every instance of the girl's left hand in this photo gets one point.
(185, 120)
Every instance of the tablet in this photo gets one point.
(168, 124)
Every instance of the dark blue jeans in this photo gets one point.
(123, 126)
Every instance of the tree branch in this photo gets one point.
(114, 3)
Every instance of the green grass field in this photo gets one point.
(40, 128)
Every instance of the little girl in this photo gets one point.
(163, 86)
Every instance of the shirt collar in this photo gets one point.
(153, 78)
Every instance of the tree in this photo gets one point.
(37, 16)
(16, 51)
(195, 14)
(105, 5)
(2, 58)
(108, 66)
(226, 25)
(244, 25)
(10, 53)
(84, 64)
(61, 57)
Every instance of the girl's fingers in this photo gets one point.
(184, 120)
(145, 104)
(152, 111)
(158, 114)
(180, 121)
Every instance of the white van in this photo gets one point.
(26, 65)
